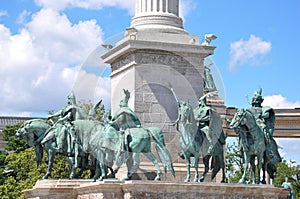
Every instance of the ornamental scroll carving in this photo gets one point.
(152, 58)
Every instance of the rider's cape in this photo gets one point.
(270, 121)
(215, 127)
(125, 118)
(218, 139)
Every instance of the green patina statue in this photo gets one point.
(265, 119)
(58, 137)
(287, 185)
(135, 139)
(255, 127)
(201, 134)
(77, 135)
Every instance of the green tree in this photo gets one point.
(234, 163)
(87, 106)
(24, 172)
(13, 143)
(284, 169)
(21, 171)
(3, 155)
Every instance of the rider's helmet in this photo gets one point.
(71, 98)
(257, 99)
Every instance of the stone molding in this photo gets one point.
(113, 189)
(148, 57)
(129, 46)
(150, 21)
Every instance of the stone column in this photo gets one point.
(157, 14)
(146, 7)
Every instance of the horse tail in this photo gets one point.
(162, 151)
(38, 154)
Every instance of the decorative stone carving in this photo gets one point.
(151, 58)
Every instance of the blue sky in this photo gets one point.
(45, 43)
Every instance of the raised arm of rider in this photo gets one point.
(58, 113)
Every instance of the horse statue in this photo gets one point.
(33, 131)
(194, 141)
(134, 141)
(92, 139)
(190, 140)
(194, 144)
(252, 140)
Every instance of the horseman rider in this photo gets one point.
(125, 118)
(204, 114)
(67, 116)
(265, 116)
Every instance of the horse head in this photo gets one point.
(238, 119)
(186, 112)
(24, 133)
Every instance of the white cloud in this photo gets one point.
(3, 13)
(289, 148)
(22, 18)
(87, 4)
(279, 101)
(252, 52)
(39, 65)
(185, 7)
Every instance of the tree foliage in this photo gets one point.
(234, 163)
(13, 143)
(234, 170)
(18, 169)
(284, 169)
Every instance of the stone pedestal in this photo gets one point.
(111, 189)
(146, 172)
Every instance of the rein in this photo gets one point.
(246, 131)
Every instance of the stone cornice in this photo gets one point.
(129, 46)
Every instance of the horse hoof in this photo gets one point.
(195, 180)
(201, 179)
(187, 180)
(127, 178)
(157, 178)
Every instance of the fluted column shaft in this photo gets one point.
(145, 7)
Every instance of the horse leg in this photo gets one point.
(246, 166)
(51, 154)
(221, 156)
(188, 167)
(195, 164)
(84, 162)
(98, 171)
(206, 167)
(253, 167)
(129, 164)
(259, 167)
(264, 166)
(135, 165)
(103, 171)
(153, 159)
(71, 161)
(223, 176)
